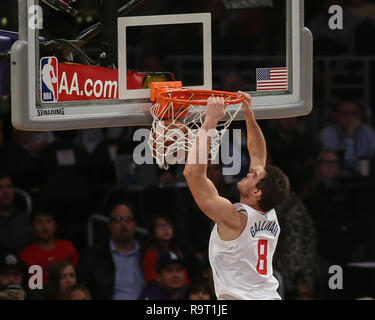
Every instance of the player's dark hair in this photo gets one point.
(275, 187)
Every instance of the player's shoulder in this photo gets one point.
(233, 219)
(272, 215)
(239, 207)
(253, 214)
(246, 209)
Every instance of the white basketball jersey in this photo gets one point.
(242, 268)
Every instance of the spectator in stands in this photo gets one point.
(161, 240)
(199, 290)
(12, 270)
(15, 231)
(78, 292)
(112, 269)
(325, 174)
(327, 168)
(349, 136)
(62, 276)
(296, 250)
(170, 279)
(47, 249)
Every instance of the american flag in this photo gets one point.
(272, 79)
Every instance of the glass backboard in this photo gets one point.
(95, 69)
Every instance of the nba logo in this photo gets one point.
(49, 79)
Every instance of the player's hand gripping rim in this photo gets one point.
(215, 110)
(247, 105)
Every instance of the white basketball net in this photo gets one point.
(170, 140)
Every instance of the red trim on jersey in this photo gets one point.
(263, 213)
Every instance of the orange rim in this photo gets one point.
(181, 96)
(180, 99)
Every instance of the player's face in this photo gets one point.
(44, 227)
(6, 193)
(172, 276)
(68, 278)
(122, 223)
(163, 230)
(249, 183)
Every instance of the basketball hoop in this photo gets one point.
(178, 113)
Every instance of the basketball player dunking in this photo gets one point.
(244, 237)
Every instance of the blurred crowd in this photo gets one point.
(51, 183)
(327, 220)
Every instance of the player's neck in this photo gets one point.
(250, 202)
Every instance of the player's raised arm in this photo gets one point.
(203, 190)
(256, 144)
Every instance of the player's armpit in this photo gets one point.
(210, 202)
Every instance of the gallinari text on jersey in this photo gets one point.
(270, 226)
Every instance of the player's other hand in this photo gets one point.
(247, 105)
(215, 109)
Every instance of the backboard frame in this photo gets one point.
(125, 22)
(136, 112)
